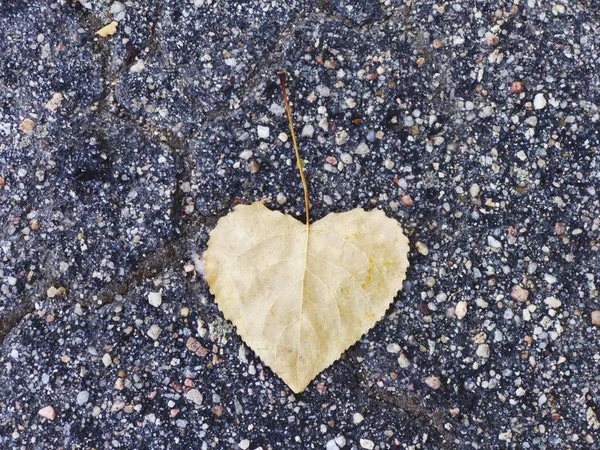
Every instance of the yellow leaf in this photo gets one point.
(108, 30)
(300, 296)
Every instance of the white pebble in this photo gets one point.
(106, 360)
(244, 444)
(422, 248)
(263, 132)
(403, 361)
(281, 198)
(483, 351)
(340, 441)
(138, 67)
(331, 445)
(357, 418)
(308, 131)
(154, 332)
(83, 397)
(346, 158)
(539, 102)
(550, 279)
(531, 121)
(474, 190)
(393, 348)
(552, 302)
(323, 90)
(367, 443)
(155, 299)
(494, 243)
(461, 309)
(194, 396)
(362, 149)
(246, 155)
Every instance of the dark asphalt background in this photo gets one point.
(473, 123)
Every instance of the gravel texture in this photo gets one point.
(474, 124)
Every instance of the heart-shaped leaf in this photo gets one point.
(301, 295)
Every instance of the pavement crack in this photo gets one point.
(412, 407)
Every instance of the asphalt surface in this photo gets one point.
(474, 124)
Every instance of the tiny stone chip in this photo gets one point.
(194, 396)
(155, 299)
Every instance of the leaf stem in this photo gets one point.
(298, 163)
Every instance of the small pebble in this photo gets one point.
(483, 351)
(106, 360)
(138, 67)
(194, 396)
(596, 318)
(108, 30)
(83, 397)
(346, 158)
(516, 87)
(155, 299)
(539, 101)
(493, 242)
(532, 121)
(246, 155)
(491, 38)
(331, 445)
(323, 90)
(244, 444)
(281, 198)
(361, 149)
(367, 443)
(461, 309)
(340, 441)
(403, 361)
(54, 103)
(552, 302)
(519, 293)
(422, 248)
(47, 412)
(263, 132)
(433, 382)
(357, 418)
(154, 332)
(308, 131)
(254, 167)
(27, 126)
(393, 348)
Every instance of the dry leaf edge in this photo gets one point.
(378, 319)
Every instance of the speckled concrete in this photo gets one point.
(474, 124)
